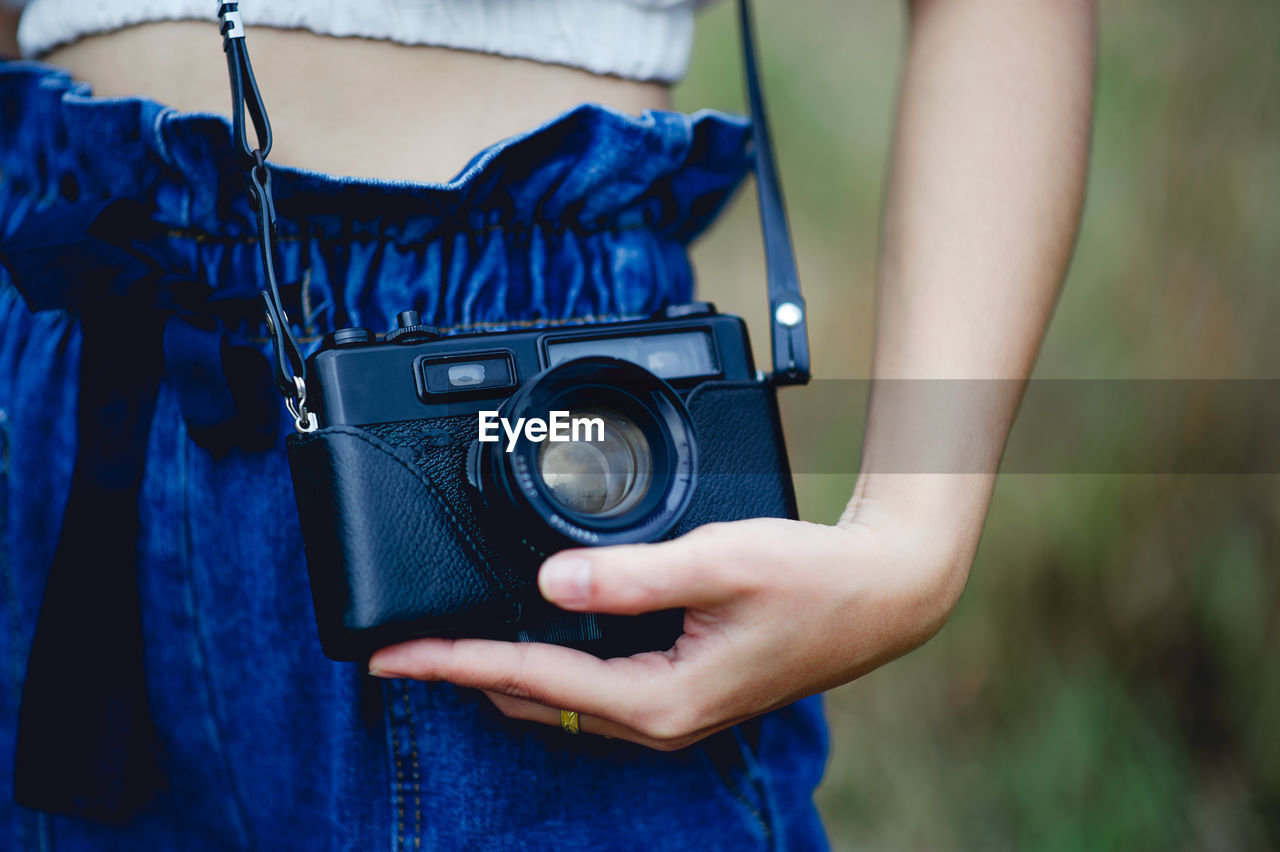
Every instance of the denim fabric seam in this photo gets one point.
(554, 322)
(408, 780)
(398, 788)
(760, 788)
(725, 774)
(199, 655)
(199, 236)
(411, 726)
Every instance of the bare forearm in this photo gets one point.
(986, 185)
(984, 198)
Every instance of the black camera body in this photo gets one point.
(419, 519)
(595, 434)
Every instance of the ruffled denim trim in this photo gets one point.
(587, 215)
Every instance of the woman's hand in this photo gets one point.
(775, 610)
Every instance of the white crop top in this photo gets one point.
(637, 39)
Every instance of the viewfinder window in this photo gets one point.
(669, 355)
(455, 374)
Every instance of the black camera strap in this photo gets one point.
(787, 315)
(290, 368)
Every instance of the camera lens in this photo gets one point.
(622, 471)
(605, 477)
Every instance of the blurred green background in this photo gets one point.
(1111, 677)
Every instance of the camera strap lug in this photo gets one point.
(303, 420)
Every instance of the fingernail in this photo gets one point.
(566, 580)
(379, 669)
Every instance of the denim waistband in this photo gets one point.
(588, 215)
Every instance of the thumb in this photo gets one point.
(635, 578)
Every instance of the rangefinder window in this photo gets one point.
(668, 355)
(452, 375)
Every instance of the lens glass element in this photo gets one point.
(603, 477)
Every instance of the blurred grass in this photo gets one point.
(1110, 678)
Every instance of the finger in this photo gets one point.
(621, 689)
(692, 571)
(531, 711)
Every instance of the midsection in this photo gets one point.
(352, 106)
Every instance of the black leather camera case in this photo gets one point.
(396, 549)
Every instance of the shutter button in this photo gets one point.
(348, 337)
(410, 329)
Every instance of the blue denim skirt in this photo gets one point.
(265, 742)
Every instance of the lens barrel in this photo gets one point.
(625, 474)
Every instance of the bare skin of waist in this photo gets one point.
(352, 106)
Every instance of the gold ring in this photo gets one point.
(569, 721)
